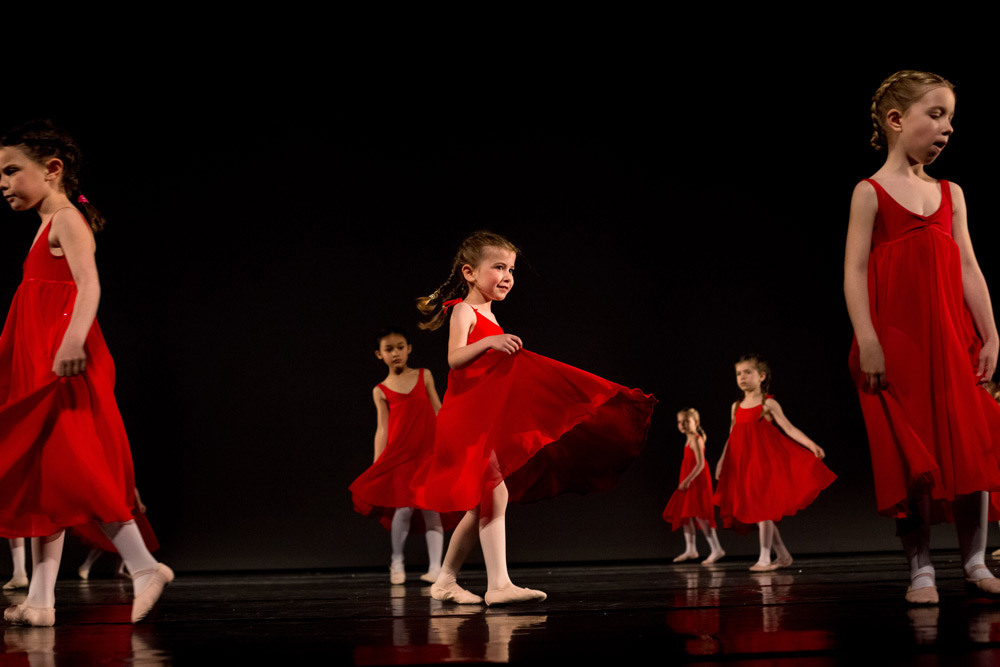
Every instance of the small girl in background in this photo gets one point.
(924, 336)
(692, 501)
(65, 458)
(514, 425)
(406, 404)
(765, 474)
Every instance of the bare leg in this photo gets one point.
(20, 577)
(493, 537)
(916, 546)
(690, 546)
(464, 538)
(713, 542)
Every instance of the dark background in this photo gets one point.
(270, 209)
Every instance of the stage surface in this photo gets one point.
(820, 611)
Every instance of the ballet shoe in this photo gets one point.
(454, 593)
(513, 594)
(16, 582)
(713, 557)
(761, 567)
(925, 595)
(83, 573)
(397, 575)
(779, 563)
(430, 577)
(686, 556)
(986, 587)
(22, 614)
(996, 554)
(143, 603)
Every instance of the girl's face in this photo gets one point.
(748, 377)
(394, 351)
(926, 126)
(494, 277)
(24, 183)
(686, 423)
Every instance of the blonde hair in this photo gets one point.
(470, 252)
(900, 91)
(693, 414)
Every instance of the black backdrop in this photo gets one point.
(674, 209)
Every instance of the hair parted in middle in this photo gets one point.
(900, 91)
(470, 252)
(764, 368)
(693, 414)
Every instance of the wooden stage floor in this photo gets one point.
(824, 610)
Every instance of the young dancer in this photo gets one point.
(513, 425)
(924, 336)
(765, 474)
(66, 458)
(406, 404)
(692, 501)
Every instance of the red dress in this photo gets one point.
(766, 475)
(387, 484)
(64, 458)
(543, 427)
(932, 431)
(696, 502)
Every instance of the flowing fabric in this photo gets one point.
(387, 484)
(696, 501)
(64, 455)
(933, 430)
(543, 427)
(765, 475)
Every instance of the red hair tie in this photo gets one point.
(448, 304)
(82, 200)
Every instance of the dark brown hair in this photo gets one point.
(899, 92)
(470, 252)
(764, 368)
(43, 140)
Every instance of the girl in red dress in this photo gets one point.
(924, 336)
(692, 501)
(65, 458)
(406, 404)
(765, 474)
(513, 425)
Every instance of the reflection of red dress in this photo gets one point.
(543, 427)
(933, 429)
(696, 502)
(387, 484)
(766, 475)
(65, 458)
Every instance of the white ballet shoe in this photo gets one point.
(22, 614)
(713, 557)
(513, 594)
(454, 593)
(143, 603)
(16, 582)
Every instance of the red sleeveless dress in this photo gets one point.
(543, 427)
(766, 475)
(64, 455)
(934, 430)
(696, 502)
(387, 484)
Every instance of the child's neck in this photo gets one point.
(899, 165)
(398, 372)
(753, 398)
(478, 301)
(52, 203)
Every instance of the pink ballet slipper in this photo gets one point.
(513, 594)
(22, 614)
(143, 603)
(454, 593)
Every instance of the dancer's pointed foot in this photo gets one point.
(713, 557)
(430, 576)
(143, 603)
(687, 555)
(454, 593)
(779, 563)
(22, 614)
(16, 582)
(982, 584)
(512, 594)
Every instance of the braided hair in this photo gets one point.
(43, 140)
(470, 252)
(899, 92)
(764, 368)
(693, 414)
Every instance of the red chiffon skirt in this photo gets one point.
(696, 501)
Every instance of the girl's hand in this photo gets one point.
(818, 451)
(873, 364)
(507, 343)
(70, 359)
(987, 361)
(684, 486)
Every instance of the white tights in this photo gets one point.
(485, 524)
(970, 524)
(434, 536)
(690, 535)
